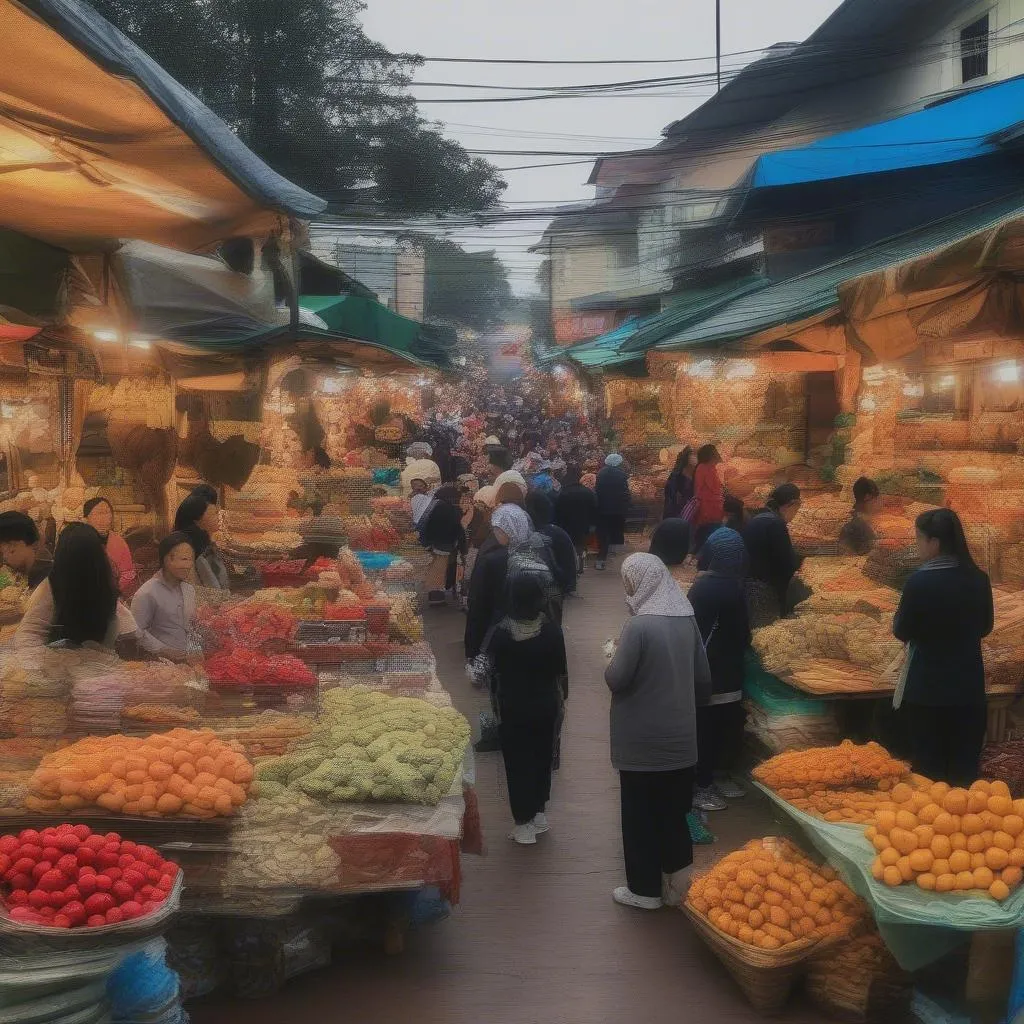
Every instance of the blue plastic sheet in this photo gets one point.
(918, 927)
(142, 985)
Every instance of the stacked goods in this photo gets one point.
(370, 746)
(770, 895)
(372, 533)
(820, 518)
(1003, 648)
(949, 840)
(269, 734)
(253, 623)
(268, 543)
(242, 668)
(845, 783)
(405, 624)
(69, 877)
(159, 714)
(783, 718)
(186, 773)
(862, 640)
(859, 981)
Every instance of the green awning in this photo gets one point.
(818, 292)
(363, 319)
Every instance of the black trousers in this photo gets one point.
(946, 742)
(610, 530)
(655, 835)
(528, 749)
(702, 533)
(719, 739)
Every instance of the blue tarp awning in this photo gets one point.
(961, 128)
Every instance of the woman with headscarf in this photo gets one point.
(720, 608)
(773, 560)
(518, 550)
(613, 504)
(511, 488)
(658, 677)
(529, 684)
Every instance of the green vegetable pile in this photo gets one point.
(373, 747)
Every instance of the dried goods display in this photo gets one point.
(861, 640)
(70, 877)
(950, 839)
(241, 667)
(252, 623)
(770, 895)
(370, 746)
(858, 980)
(269, 734)
(159, 714)
(187, 773)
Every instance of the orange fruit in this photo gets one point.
(945, 882)
(877, 869)
(999, 788)
(983, 878)
(1001, 805)
(944, 824)
(977, 861)
(926, 881)
(906, 820)
(1012, 876)
(892, 876)
(999, 890)
(940, 867)
(921, 860)
(959, 860)
(1003, 840)
(941, 846)
(889, 856)
(965, 881)
(929, 813)
(904, 840)
(972, 825)
(905, 869)
(977, 802)
(997, 858)
(956, 801)
(885, 821)
(1017, 857)
(1013, 824)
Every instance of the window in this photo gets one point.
(974, 50)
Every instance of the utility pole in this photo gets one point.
(718, 43)
(551, 288)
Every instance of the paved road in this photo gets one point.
(537, 937)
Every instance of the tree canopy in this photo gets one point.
(309, 92)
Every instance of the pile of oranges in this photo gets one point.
(191, 773)
(845, 783)
(949, 839)
(769, 895)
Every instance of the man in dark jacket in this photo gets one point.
(576, 512)
(613, 503)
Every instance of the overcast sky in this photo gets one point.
(568, 30)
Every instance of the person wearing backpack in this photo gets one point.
(518, 551)
(529, 685)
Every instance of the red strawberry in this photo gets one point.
(47, 913)
(61, 921)
(103, 884)
(96, 921)
(169, 868)
(20, 881)
(52, 880)
(69, 865)
(51, 853)
(68, 842)
(75, 912)
(106, 859)
(129, 847)
(25, 915)
(23, 866)
(57, 899)
(73, 893)
(149, 906)
(82, 831)
(87, 884)
(122, 891)
(153, 876)
(40, 869)
(134, 878)
(86, 855)
(99, 903)
(125, 860)
(28, 835)
(8, 844)
(18, 898)
(113, 837)
(131, 909)
(114, 915)
(113, 873)
(95, 842)
(38, 899)
(166, 883)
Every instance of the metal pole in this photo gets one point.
(718, 43)
(551, 288)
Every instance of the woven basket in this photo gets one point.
(766, 977)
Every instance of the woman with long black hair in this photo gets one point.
(197, 518)
(99, 514)
(773, 560)
(679, 486)
(944, 613)
(78, 602)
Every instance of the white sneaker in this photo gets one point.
(524, 835)
(674, 888)
(627, 898)
(708, 800)
(540, 823)
(729, 788)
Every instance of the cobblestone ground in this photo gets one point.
(537, 937)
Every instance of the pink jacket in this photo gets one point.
(120, 555)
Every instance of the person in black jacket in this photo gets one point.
(442, 533)
(542, 511)
(679, 486)
(529, 684)
(613, 503)
(721, 612)
(857, 537)
(576, 512)
(944, 613)
(773, 562)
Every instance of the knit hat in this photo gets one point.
(614, 460)
(510, 476)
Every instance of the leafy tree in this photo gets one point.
(468, 288)
(304, 87)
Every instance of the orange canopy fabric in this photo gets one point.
(98, 143)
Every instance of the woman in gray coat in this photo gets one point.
(658, 676)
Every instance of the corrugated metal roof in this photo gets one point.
(814, 293)
(957, 129)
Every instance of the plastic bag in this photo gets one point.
(143, 984)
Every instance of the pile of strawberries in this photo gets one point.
(70, 877)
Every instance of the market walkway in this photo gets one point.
(537, 937)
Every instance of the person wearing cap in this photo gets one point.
(613, 503)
